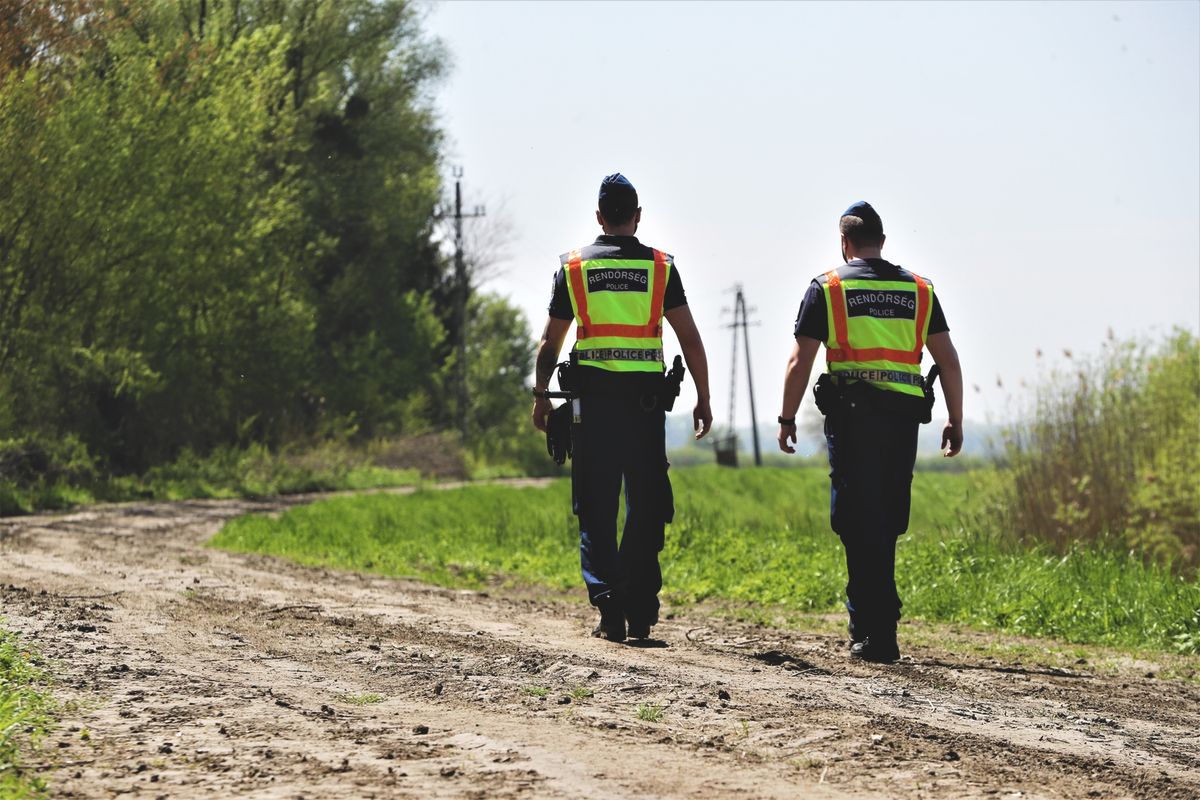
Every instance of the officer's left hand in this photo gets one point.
(952, 439)
(787, 433)
(541, 411)
(701, 419)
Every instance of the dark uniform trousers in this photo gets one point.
(618, 440)
(871, 456)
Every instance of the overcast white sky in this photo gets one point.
(1039, 163)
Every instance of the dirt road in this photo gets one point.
(190, 672)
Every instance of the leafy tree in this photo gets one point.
(359, 76)
(217, 228)
(500, 355)
(153, 239)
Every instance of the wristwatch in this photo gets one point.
(789, 421)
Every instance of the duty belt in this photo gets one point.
(883, 375)
(620, 354)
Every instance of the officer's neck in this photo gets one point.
(864, 253)
(628, 229)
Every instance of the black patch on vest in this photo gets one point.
(618, 280)
(881, 303)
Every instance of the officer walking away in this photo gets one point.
(875, 319)
(617, 291)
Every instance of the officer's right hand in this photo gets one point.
(701, 419)
(952, 438)
(787, 433)
(541, 411)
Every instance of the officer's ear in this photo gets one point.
(637, 219)
(599, 218)
(882, 239)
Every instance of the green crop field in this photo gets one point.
(757, 538)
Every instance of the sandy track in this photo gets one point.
(196, 673)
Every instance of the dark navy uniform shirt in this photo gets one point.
(594, 379)
(813, 322)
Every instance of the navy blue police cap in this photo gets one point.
(617, 188)
(862, 209)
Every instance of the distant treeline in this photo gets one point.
(218, 226)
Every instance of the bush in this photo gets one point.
(37, 472)
(30, 462)
(1113, 450)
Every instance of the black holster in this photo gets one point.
(671, 383)
(568, 371)
(830, 393)
(930, 397)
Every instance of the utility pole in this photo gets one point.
(741, 319)
(741, 300)
(462, 293)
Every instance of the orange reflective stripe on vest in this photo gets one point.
(653, 327)
(575, 275)
(922, 310)
(844, 352)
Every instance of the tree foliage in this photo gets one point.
(216, 223)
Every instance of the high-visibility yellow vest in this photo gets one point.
(885, 352)
(619, 331)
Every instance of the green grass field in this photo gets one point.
(755, 537)
(254, 471)
(24, 717)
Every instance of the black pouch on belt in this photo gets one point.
(558, 434)
(829, 393)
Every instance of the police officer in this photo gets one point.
(875, 319)
(617, 292)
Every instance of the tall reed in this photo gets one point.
(1111, 450)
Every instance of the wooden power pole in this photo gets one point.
(742, 321)
(462, 294)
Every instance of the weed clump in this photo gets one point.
(649, 712)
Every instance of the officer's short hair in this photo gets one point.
(617, 213)
(862, 232)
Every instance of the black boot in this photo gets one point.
(857, 634)
(611, 625)
(878, 648)
(639, 630)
